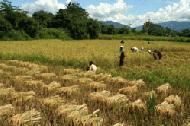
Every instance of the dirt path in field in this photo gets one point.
(33, 94)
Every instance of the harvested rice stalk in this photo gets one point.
(5, 93)
(96, 86)
(47, 76)
(71, 71)
(117, 101)
(22, 78)
(29, 118)
(174, 99)
(99, 96)
(23, 98)
(150, 94)
(138, 106)
(84, 81)
(139, 83)
(165, 109)
(69, 79)
(3, 66)
(164, 89)
(69, 91)
(102, 77)
(71, 113)
(35, 85)
(51, 102)
(130, 90)
(119, 124)
(117, 82)
(6, 110)
(90, 120)
(51, 88)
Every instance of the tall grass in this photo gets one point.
(173, 68)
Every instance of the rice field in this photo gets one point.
(173, 68)
(33, 94)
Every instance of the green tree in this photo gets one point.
(93, 28)
(29, 26)
(74, 18)
(4, 25)
(185, 33)
(43, 18)
(11, 13)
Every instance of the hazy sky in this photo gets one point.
(134, 12)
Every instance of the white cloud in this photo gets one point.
(106, 11)
(47, 5)
(117, 12)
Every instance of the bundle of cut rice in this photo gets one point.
(139, 83)
(174, 99)
(69, 79)
(165, 89)
(32, 85)
(150, 94)
(117, 100)
(6, 110)
(96, 86)
(165, 109)
(69, 91)
(119, 124)
(47, 76)
(86, 74)
(71, 71)
(102, 77)
(20, 98)
(84, 81)
(99, 96)
(51, 102)
(22, 78)
(137, 106)
(130, 90)
(3, 66)
(29, 118)
(1, 85)
(72, 113)
(5, 93)
(51, 88)
(90, 120)
(1, 71)
(117, 82)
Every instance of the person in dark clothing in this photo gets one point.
(122, 56)
(156, 54)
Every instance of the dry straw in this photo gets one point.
(164, 89)
(7, 110)
(69, 91)
(51, 88)
(28, 118)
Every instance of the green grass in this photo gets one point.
(173, 68)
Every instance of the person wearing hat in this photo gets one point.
(122, 56)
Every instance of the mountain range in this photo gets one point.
(174, 25)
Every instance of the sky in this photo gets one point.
(128, 12)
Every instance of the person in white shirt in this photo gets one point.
(92, 67)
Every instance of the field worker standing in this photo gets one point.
(122, 56)
(92, 67)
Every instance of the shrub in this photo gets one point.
(53, 33)
(13, 35)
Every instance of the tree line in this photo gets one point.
(72, 22)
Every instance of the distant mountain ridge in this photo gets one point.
(115, 24)
(174, 25)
